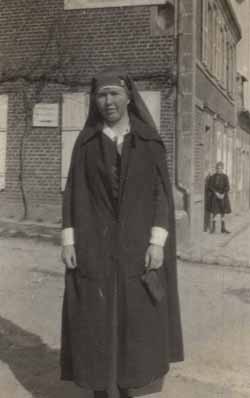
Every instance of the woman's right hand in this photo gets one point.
(69, 256)
(219, 195)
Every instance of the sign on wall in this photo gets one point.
(46, 115)
(77, 4)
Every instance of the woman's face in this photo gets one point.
(219, 169)
(112, 103)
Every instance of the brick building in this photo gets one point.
(209, 35)
(49, 51)
(242, 8)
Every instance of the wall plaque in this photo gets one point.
(46, 115)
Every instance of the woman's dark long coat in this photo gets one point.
(218, 183)
(109, 249)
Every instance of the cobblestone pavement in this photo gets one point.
(216, 322)
(224, 249)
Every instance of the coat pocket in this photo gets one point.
(81, 260)
(91, 264)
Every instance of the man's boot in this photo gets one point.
(212, 229)
(223, 228)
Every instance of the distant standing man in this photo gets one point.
(218, 200)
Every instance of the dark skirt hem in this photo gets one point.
(83, 385)
(152, 386)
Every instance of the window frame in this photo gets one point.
(219, 58)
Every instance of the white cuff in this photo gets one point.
(68, 236)
(158, 236)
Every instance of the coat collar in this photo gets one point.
(138, 128)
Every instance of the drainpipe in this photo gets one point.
(181, 190)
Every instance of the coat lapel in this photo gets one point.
(131, 155)
(99, 172)
(108, 172)
(127, 157)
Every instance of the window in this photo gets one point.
(229, 169)
(228, 64)
(210, 37)
(219, 128)
(77, 4)
(224, 149)
(231, 64)
(218, 46)
(74, 114)
(3, 138)
(223, 61)
(214, 38)
(224, 58)
(162, 19)
(234, 67)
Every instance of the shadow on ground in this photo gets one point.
(33, 363)
(242, 294)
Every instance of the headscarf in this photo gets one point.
(117, 77)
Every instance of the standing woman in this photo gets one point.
(121, 322)
(218, 199)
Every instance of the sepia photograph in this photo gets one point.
(125, 198)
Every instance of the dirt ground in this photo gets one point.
(215, 304)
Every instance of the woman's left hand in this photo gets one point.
(154, 257)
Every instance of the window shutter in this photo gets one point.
(219, 128)
(230, 67)
(228, 63)
(214, 40)
(229, 170)
(233, 70)
(3, 138)
(74, 114)
(198, 151)
(205, 31)
(225, 58)
(153, 101)
(220, 50)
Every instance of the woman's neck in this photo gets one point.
(120, 126)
